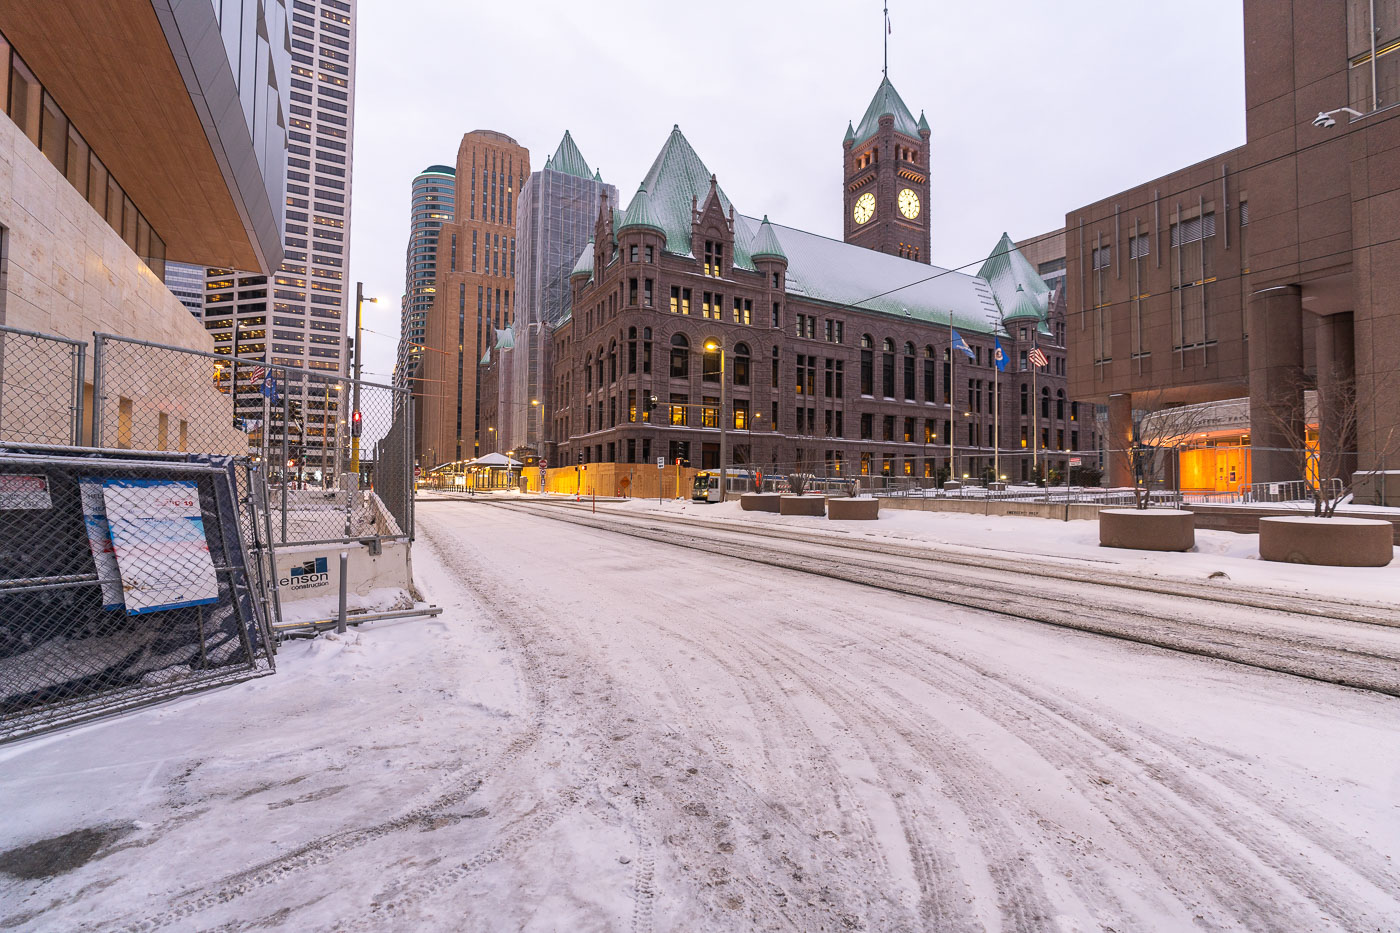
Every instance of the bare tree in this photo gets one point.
(1326, 462)
(801, 472)
(1160, 431)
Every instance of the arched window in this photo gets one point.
(588, 373)
(631, 349)
(680, 357)
(908, 348)
(709, 364)
(887, 369)
(867, 341)
(646, 349)
(612, 362)
(888, 345)
(1045, 403)
(1060, 404)
(741, 364)
(867, 365)
(599, 364)
(928, 350)
(909, 377)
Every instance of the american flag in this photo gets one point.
(1038, 357)
(257, 374)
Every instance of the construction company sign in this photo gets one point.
(307, 574)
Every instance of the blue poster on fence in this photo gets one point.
(158, 536)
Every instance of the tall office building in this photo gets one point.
(430, 205)
(301, 317)
(186, 282)
(558, 208)
(475, 295)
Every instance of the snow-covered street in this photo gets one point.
(610, 732)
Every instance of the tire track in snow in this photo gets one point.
(1309, 658)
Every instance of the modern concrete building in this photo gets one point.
(430, 206)
(135, 133)
(816, 371)
(302, 317)
(555, 217)
(1266, 271)
(476, 256)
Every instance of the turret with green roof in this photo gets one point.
(640, 214)
(584, 266)
(765, 244)
(1019, 290)
(886, 102)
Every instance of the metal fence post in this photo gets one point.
(79, 369)
(344, 578)
(99, 363)
(286, 430)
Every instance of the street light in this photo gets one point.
(360, 299)
(714, 345)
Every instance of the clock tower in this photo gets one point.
(886, 178)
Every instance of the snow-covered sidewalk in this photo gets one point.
(603, 733)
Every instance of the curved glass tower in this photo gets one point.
(431, 205)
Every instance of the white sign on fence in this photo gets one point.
(158, 536)
(661, 463)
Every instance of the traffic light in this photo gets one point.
(580, 456)
(355, 424)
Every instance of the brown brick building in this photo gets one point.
(475, 295)
(835, 356)
(1268, 270)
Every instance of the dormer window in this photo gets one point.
(714, 258)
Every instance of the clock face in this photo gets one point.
(909, 203)
(865, 208)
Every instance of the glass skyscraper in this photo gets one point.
(430, 206)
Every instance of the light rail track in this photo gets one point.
(1352, 645)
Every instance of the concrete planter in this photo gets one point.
(802, 505)
(951, 485)
(1147, 529)
(864, 509)
(759, 501)
(1330, 542)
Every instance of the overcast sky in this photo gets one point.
(1036, 107)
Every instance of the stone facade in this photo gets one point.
(67, 272)
(1270, 269)
(827, 385)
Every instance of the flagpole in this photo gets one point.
(1035, 421)
(996, 417)
(952, 394)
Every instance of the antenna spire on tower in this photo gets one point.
(887, 40)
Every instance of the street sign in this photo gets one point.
(544, 464)
(660, 463)
(1076, 461)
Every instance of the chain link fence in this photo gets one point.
(41, 387)
(333, 453)
(123, 581)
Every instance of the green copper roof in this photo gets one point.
(505, 338)
(766, 244)
(850, 132)
(584, 266)
(886, 101)
(674, 179)
(568, 159)
(640, 214)
(1020, 292)
(598, 175)
(828, 270)
(923, 123)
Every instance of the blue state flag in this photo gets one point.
(269, 387)
(961, 344)
(999, 355)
